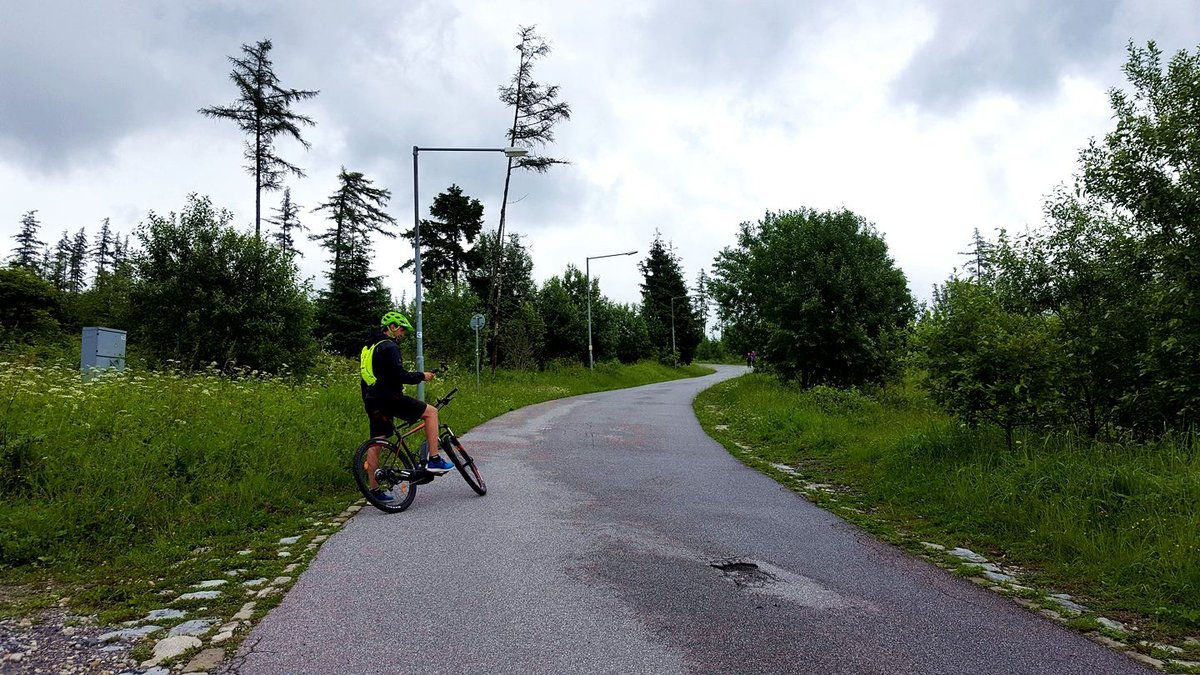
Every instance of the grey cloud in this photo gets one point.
(77, 78)
(1022, 49)
(722, 42)
(71, 82)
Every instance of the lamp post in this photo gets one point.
(587, 265)
(508, 152)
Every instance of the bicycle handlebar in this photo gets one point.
(446, 399)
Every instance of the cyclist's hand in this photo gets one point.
(428, 376)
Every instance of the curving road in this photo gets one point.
(617, 538)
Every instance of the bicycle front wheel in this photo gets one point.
(464, 462)
(391, 469)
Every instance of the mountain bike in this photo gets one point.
(399, 470)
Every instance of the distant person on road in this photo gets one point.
(751, 358)
(382, 383)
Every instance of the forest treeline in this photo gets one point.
(1090, 322)
(192, 290)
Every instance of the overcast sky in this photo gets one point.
(928, 117)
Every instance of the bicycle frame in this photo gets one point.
(418, 458)
(372, 469)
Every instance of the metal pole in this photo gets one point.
(587, 265)
(508, 152)
(417, 265)
(476, 358)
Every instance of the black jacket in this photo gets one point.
(390, 375)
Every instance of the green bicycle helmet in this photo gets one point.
(395, 317)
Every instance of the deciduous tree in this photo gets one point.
(985, 363)
(1148, 169)
(204, 292)
(818, 293)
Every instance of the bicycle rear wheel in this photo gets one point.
(466, 466)
(393, 475)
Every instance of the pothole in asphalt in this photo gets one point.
(744, 573)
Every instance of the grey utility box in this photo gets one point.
(103, 348)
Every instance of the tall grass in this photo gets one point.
(135, 469)
(1120, 522)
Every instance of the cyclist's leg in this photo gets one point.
(381, 428)
(411, 410)
(431, 429)
(373, 462)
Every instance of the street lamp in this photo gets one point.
(587, 265)
(508, 152)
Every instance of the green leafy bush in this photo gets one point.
(205, 293)
(988, 364)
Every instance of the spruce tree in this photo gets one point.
(102, 250)
(60, 263)
(354, 298)
(28, 245)
(444, 256)
(288, 221)
(666, 304)
(77, 262)
(355, 210)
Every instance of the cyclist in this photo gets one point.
(382, 383)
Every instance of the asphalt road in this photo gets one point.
(599, 549)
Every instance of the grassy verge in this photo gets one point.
(1116, 524)
(114, 489)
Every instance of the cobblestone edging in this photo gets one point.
(185, 638)
(1059, 607)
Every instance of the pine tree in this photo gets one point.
(666, 305)
(536, 109)
(77, 262)
(28, 245)
(444, 258)
(353, 300)
(701, 296)
(60, 262)
(288, 221)
(980, 263)
(356, 210)
(263, 111)
(102, 250)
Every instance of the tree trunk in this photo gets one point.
(497, 273)
(258, 178)
(497, 266)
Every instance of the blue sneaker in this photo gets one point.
(382, 495)
(438, 465)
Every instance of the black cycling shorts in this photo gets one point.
(382, 413)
